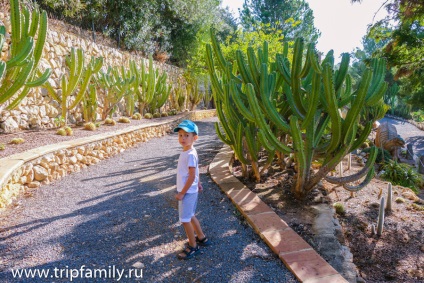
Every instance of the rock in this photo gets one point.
(138, 265)
(9, 125)
(40, 173)
(34, 184)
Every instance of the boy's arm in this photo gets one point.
(190, 180)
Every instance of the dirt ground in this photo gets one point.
(396, 256)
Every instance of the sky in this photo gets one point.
(341, 23)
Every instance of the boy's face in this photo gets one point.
(186, 139)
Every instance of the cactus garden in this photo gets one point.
(332, 144)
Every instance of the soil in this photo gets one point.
(395, 256)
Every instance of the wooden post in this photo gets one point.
(409, 152)
(420, 164)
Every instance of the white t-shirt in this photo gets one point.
(187, 159)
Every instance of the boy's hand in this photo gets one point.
(200, 187)
(179, 196)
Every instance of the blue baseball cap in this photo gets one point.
(187, 126)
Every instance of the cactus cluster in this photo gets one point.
(291, 109)
(16, 141)
(90, 126)
(20, 73)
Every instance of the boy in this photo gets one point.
(188, 186)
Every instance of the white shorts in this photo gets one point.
(187, 207)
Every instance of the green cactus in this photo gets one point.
(295, 107)
(90, 105)
(79, 79)
(19, 74)
(193, 93)
(116, 83)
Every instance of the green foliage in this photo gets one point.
(69, 131)
(339, 207)
(294, 18)
(90, 104)
(20, 73)
(383, 155)
(402, 174)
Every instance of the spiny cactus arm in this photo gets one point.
(290, 100)
(357, 104)
(253, 67)
(347, 95)
(313, 58)
(76, 65)
(252, 145)
(24, 54)
(264, 142)
(217, 50)
(362, 185)
(2, 70)
(299, 154)
(7, 91)
(329, 59)
(41, 38)
(313, 100)
(260, 119)
(15, 20)
(359, 174)
(212, 73)
(41, 79)
(35, 19)
(378, 67)
(267, 88)
(322, 125)
(342, 71)
(238, 145)
(307, 66)
(245, 73)
(15, 103)
(221, 135)
(52, 92)
(363, 137)
(330, 97)
(295, 75)
(283, 66)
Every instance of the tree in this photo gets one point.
(293, 17)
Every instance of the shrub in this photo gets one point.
(17, 141)
(90, 126)
(124, 120)
(379, 159)
(402, 174)
(339, 208)
(148, 116)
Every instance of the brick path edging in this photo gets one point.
(298, 256)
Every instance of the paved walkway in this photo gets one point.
(121, 214)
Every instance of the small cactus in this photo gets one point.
(97, 124)
(380, 218)
(399, 200)
(17, 141)
(156, 115)
(137, 116)
(110, 121)
(389, 197)
(90, 126)
(2, 146)
(164, 114)
(124, 120)
(339, 208)
(61, 132)
(69, 131)
(148, 116)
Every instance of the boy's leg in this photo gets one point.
(188, 227)
(196, 226)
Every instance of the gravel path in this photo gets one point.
(121, 214)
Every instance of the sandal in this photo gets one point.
(203, 242)
(188, 252)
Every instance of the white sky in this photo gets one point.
(341, 23)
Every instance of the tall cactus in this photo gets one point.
(78, 81)
(116, 83)
(295, 106)
(19, 74)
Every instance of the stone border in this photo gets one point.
(42, 165)
(299, 257)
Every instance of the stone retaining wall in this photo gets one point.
(40, 166)
(38, 109)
